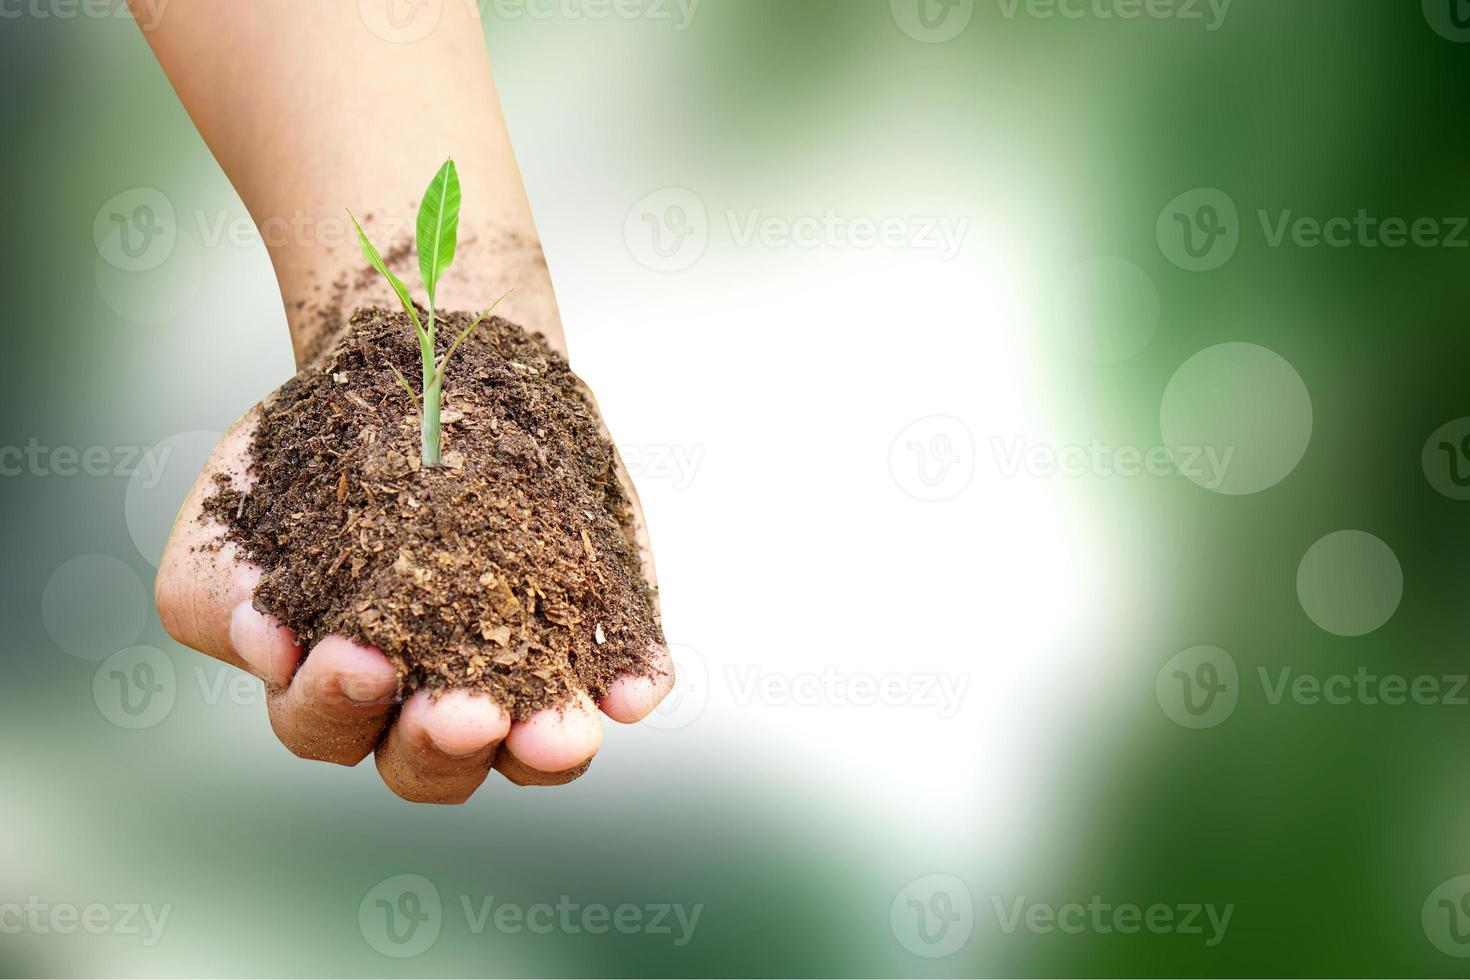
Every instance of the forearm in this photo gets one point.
(310, 112)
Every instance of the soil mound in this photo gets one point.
(512, 569)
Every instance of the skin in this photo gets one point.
(303, 105)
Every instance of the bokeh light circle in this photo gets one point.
(1350, 583)
(1245, 404)
(1107, 309)
(93, 605)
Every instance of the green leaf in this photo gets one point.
(438, 228)
(444, 361)
(376, 261)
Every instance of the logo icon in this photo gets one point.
(135, 230)
(401, 916)
(401, 21)
(1446, 917)
(135, 688)
(1199, 230)
(932, 21)
(687, 701)
(1449, 18)
(1198, 687)
(933, 459)
(668, 231)
(933, 916)
(1446, 459)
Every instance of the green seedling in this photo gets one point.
(437, 234)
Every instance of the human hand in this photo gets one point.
(338, 701)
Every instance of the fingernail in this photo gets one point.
(454, 749)
(366, 690)
(463, 724)
(260, 641)
(640, 693)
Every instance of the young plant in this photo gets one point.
(437, 234)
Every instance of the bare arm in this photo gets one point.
(311, 110)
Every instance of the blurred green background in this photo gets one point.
(909, 463)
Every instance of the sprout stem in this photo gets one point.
(433, 385)
(431, 422)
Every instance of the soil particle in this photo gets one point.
(511, 569)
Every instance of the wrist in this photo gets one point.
(322, 285)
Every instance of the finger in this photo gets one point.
(336, 707)
(553, 746)
(439, 750)
(632, 697)
(268, 649)
(204, 587)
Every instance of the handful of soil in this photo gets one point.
(512, 569)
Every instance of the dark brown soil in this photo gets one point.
(511, 569)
